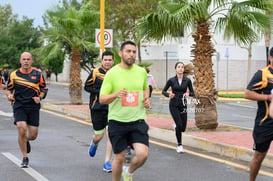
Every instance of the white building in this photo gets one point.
(230, 71)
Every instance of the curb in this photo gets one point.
(223, 149)
(231, 151)
(56, 107)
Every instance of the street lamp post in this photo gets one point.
(102, 16)
(227, 56)
(166, 65)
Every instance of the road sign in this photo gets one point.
(170, 53)
(108, 38)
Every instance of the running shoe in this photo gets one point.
(28, 147)
(126, 176)
(180, 149)
(25, 162)
(92, 149)
(107, 167)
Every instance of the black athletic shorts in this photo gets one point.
(99, 119)
(262, 147)
(123, 135)
(29, 115)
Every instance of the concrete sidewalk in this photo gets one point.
(231, 141)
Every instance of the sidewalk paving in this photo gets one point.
(226, 140)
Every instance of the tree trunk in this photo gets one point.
(56, 75)
(75, 88)
(249, 61)
(267, 38)
(139, 52)
(205, 92)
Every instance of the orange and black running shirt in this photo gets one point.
(93, 85)
(26, 86)
(262, 83)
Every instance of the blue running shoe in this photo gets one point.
(107, 167)
(92, 149)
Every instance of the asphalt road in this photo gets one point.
(60, 152)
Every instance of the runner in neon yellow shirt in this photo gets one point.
(125, 88)
(129, 108)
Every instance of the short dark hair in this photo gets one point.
(106, 53)
(129, 42)
(271, 52)
(177, 64)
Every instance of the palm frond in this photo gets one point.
(244, 23)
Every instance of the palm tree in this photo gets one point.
(245, 21)
(267, 38)
(53, 57)
(73, 31)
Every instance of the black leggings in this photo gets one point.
(150, 90)
(179, 114)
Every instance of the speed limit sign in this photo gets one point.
(108, 38)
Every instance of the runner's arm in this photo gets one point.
(146, 100)
(252, 95)
(10, 95)
(109, 98)
(271, 110)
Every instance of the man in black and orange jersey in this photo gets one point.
(25, 89)
(260, 89)
(99, 112)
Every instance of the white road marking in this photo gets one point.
(28, 170)
(8, 114)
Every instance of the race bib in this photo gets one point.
(130, 100)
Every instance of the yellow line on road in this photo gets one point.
(236, 165)
(67, 117)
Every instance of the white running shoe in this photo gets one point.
(180, 149)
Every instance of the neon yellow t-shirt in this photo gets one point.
(134, 80)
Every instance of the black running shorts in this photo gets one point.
(29, 115)
(123, 135)
(262, 147)
(99, 119)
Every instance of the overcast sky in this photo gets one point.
(33, 9)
